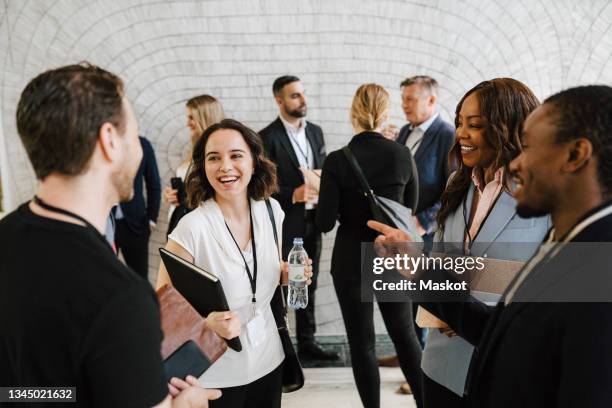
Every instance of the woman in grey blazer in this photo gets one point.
(478, 214)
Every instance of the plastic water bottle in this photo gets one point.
(298, 290)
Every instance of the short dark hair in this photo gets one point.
(263, 182)
(280, 82)
(424, 81)
(586, 111)
(60, 113)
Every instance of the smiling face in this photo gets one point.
(537, 172)
(471, 135)
(228, 164)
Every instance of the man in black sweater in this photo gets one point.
(297, 146)
(531, 348)
(72, 315)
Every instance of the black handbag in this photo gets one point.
(293, 375)
(384, 209)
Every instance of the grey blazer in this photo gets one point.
(447, 360)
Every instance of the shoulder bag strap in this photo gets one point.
(367, 191)
(271, 215)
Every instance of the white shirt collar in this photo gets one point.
(290, 128)
(425, 125)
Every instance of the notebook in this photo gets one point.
(200, 288)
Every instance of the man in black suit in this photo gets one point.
(136, 218)
(429, 139)
(531, 348)
(295, 145)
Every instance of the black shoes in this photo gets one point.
(313, 351)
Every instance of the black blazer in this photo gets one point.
(390, 171)
(137, 212)
(432, 164)
(279, 149)
(535, 353)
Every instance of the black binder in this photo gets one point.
(200, 288)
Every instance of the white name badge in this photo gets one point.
(256, 333)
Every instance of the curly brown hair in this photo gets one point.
(263, 182)
(505, 103)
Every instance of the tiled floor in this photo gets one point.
(336, 386)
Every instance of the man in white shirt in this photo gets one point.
(429, 139)
(297, 148)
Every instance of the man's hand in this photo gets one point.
(285, 272)
(304, 194)
(188, 393)
(392, 242)
(388, 243)
(390, 132)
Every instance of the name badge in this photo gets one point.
(256, 332)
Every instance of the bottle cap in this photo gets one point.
(298, 241)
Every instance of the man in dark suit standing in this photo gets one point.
(136, 218)
(429, 139)
(531, 348)
(297, 147)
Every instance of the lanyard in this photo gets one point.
(295, 141)
(88, 225)
(253, 277)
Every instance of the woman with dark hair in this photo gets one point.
(478, 213)
(391, 172)
(229, 234)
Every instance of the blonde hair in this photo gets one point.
(206, 111)
(370, 107)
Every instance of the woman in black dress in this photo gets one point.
(390, 171)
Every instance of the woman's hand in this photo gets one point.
(285, 272)
(171, 195)
(225, 324)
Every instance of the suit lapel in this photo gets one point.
(312, 140)
(428, 138)
(286, 143)
(501, 214)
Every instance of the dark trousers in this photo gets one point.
(438, 396)
(134, 247)
(262, 393)
(358, 319)
(305, 323)
(427, 247)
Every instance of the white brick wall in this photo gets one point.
(168, 51)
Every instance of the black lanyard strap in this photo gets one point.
(304, 155)
(253, 277)
(88, 225)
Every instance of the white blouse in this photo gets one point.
(204, 235)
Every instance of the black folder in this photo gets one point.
(200, 288)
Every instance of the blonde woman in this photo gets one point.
(390, 172)
(202, 112)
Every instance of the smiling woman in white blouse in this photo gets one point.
(230, 235)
